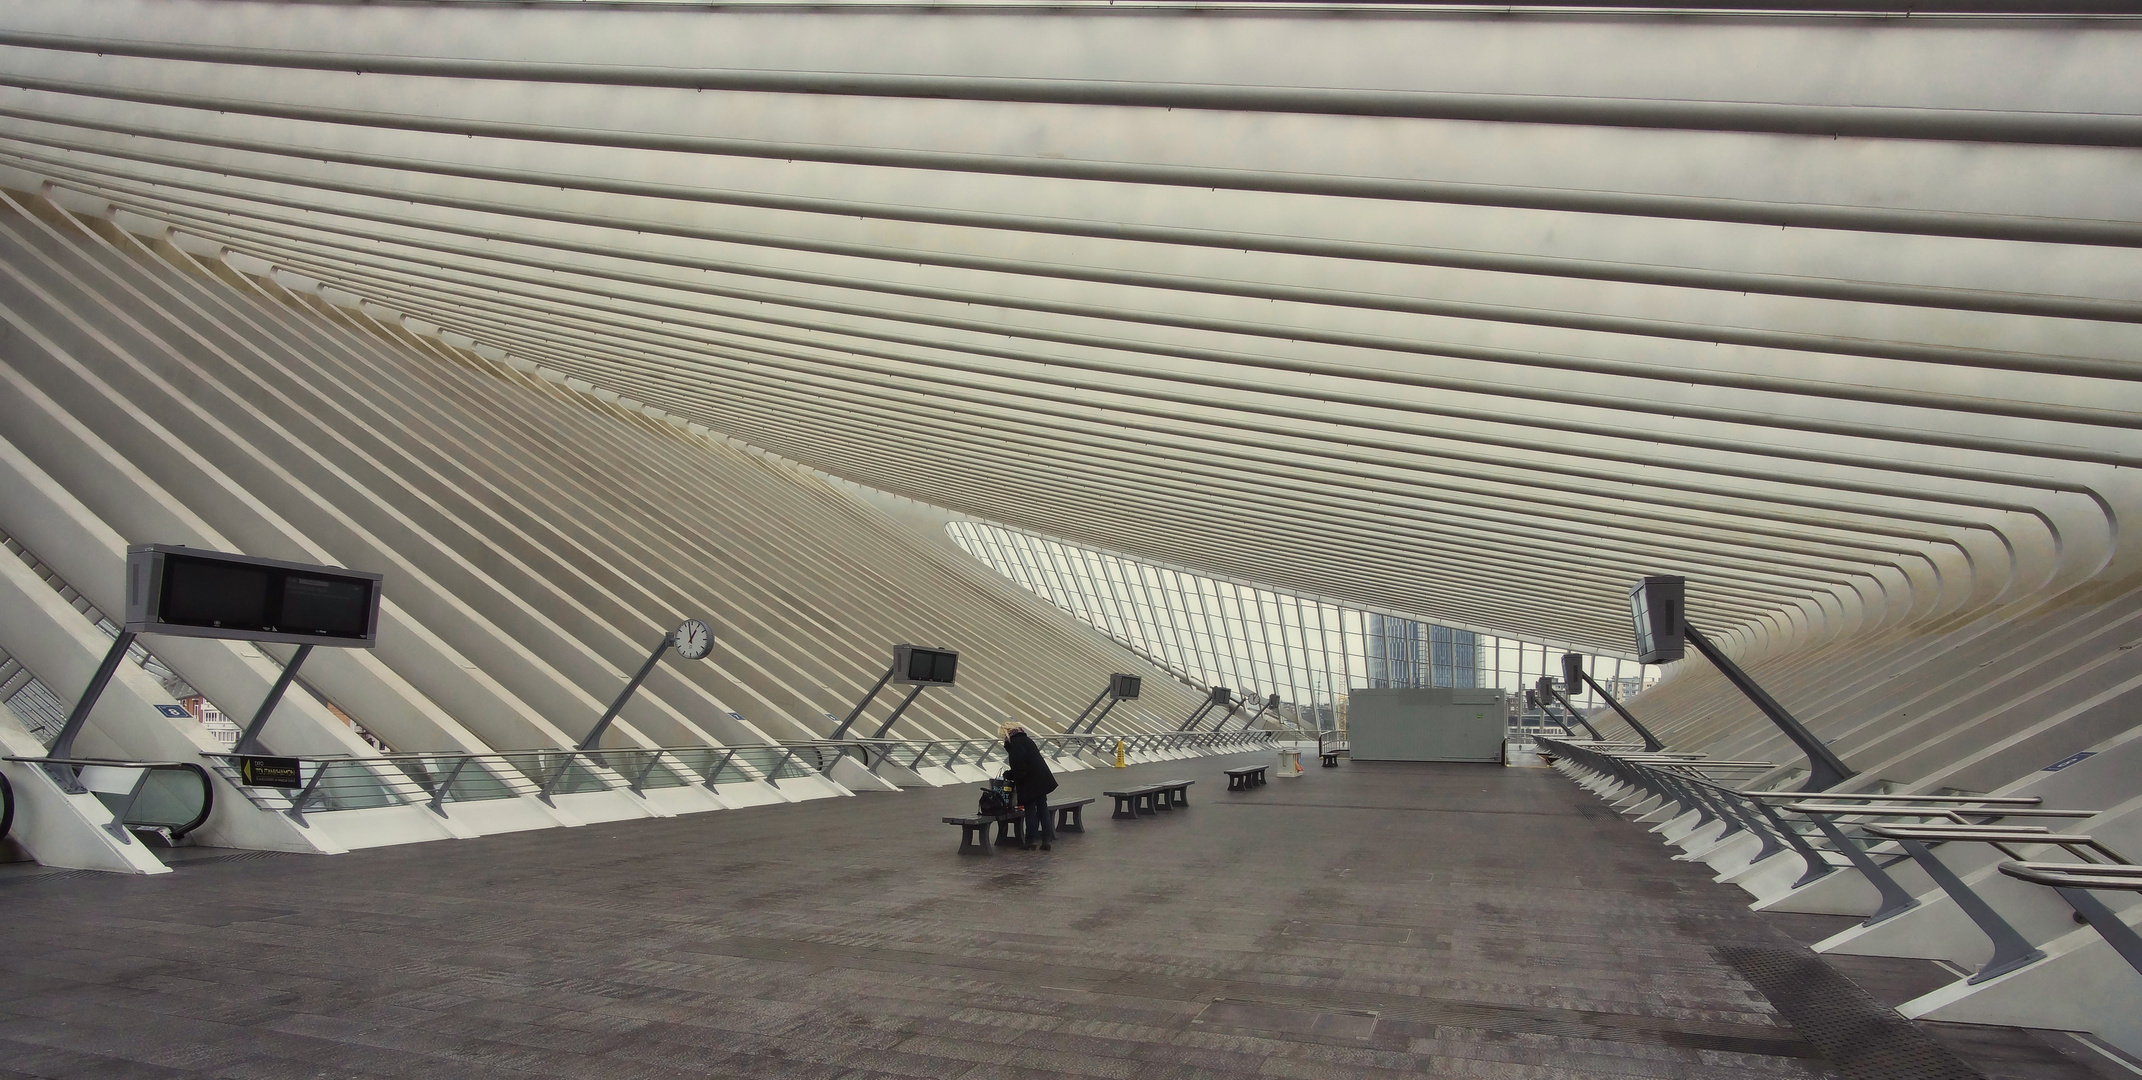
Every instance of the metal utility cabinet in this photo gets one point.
(1440, 724)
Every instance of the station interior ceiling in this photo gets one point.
(1474, 319)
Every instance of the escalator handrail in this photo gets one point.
(208, 787)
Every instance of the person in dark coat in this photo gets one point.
(1031, 779)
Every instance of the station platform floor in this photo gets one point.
(1372, 920)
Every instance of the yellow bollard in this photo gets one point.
(1119, 754)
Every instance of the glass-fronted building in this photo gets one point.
(1258, 641)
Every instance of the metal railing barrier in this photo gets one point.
(440, 780)
(1872, 832)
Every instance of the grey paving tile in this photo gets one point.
(1500, 923)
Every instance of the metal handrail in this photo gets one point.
(1837, 818)
(438, 780)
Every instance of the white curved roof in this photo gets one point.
(1478, 316)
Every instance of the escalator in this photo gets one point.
(155, 803)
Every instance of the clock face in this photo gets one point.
(693, 639)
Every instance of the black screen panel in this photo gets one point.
(206, 592)
(314, 605)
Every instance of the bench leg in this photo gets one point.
(1125, 807)
(974, 839)
(1145, 804)
(1078, 819)
(1182, 798)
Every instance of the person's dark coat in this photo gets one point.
(1028, 770)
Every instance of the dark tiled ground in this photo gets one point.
(1364, 921)
(2001, 1053)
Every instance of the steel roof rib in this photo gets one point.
(1464, 342)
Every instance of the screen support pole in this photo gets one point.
(1097, 718)
(1572, 711)
(63, 746)
(897, 710)
(595, 735)
(865, 703)
(1825, 769)
(1232, 708)
(1196, 715)
(1651, 742)
(1221, 724)
(249, 741)
(1072, 728)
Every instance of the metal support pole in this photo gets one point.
(550, 785)
(897, 710)
(117, 825)
(2010, 949)
(1825, 769)
(1556, 691)
(865, 703)
(1895, 901)
(1817, 866)
(714, 769)
(438, 797)
(1196, 715)
(595, 734)
(2117, 934)
(63, 746)
(249, 741)
(1098, 717)
(1651, 742)
(1222, 722)
(304, 798)
(654, 757)
(1081, 717)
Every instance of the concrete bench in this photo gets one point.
(1245, 778)
(1136, 801)
(974, 831)
(973, 834)
(1011, 828)
(1166, 795)
(1070, 815)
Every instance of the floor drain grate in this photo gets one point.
(1858, 1036)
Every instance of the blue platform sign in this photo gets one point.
(2069, 760)
(175, 712)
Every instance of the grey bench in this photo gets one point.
(1071, 815)
(973, 834)
(1136, 801)
(1245, 778)
(1166, 795)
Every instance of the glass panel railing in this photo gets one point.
(466, 777)
(644, 769)
(564, 772)
(350, 785)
